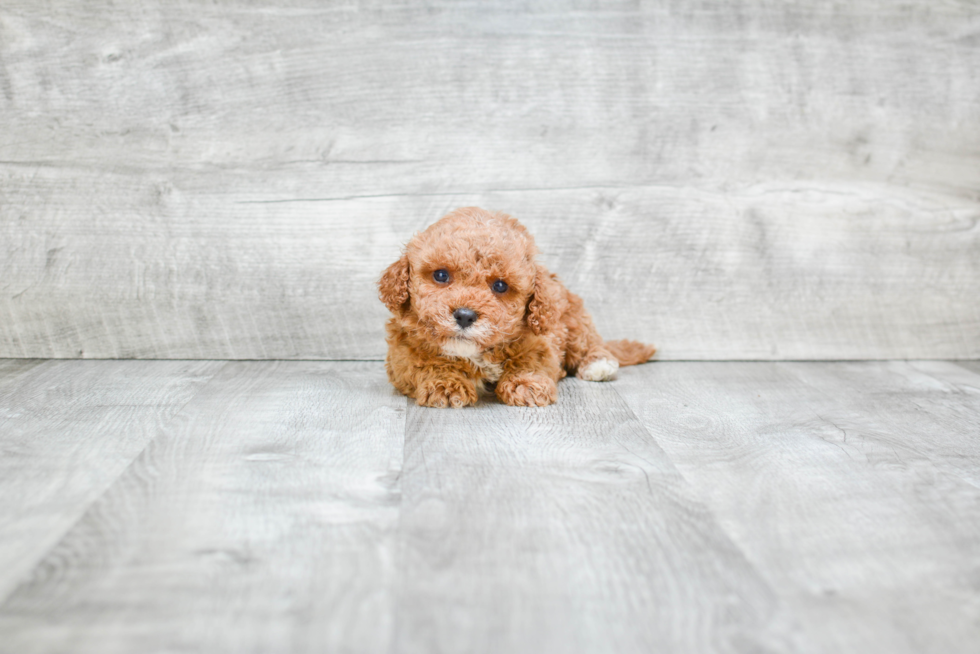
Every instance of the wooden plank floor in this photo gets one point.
(209, 506)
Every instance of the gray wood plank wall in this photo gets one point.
(729, 180)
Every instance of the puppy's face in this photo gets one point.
(470, 276)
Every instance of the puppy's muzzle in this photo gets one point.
(465, 317)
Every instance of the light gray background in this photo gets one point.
(728, 180)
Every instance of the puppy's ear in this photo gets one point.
(544, 307)
(393, 286)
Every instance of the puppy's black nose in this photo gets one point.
(464, 317)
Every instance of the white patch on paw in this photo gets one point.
(600, 370)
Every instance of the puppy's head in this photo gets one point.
(469, 281)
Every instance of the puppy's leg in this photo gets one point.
(431, 380)
(444, 384)
(585, 353)
(530, 376)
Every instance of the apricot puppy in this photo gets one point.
(472, 308)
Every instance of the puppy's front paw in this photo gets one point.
(442, 393)
(527, 390)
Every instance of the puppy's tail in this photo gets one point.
(630, 353)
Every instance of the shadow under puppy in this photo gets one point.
(472, 307)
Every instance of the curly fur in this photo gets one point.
(523, 341)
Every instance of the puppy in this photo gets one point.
(473, 309)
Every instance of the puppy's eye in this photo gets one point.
(499, 286)
(441, 276)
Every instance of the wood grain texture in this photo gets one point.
(729, 180)
(13, 370)
(67, 433)
(852, 488)
(562, 529)
(766, 273)
(299, 507)
(970, 365)
(261, 519)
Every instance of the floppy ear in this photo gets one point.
(393, 286)
(544, 307)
